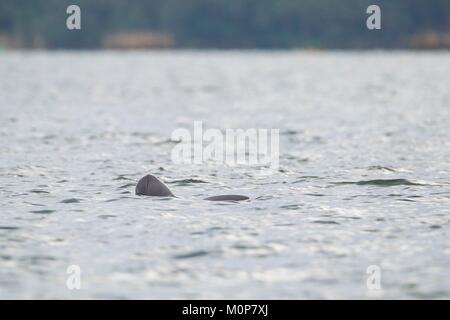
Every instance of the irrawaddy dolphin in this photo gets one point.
(153, 187)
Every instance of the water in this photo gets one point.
(364, 175)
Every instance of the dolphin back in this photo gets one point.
(228, 197)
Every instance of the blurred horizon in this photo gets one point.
(225, 24)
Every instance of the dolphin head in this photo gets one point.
(151, 186)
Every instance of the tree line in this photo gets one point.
(226, 23)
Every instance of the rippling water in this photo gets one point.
(364, 175)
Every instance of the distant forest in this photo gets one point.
(227, 23)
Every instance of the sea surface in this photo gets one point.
(362, 192)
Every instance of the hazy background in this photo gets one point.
(224, 24)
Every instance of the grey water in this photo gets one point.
(364, 175)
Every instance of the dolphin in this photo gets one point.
(151, 186)
(227, 197)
